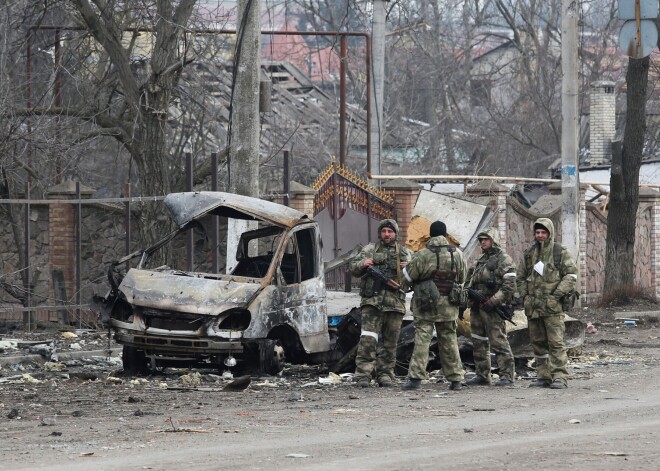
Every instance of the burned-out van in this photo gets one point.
(272, 303)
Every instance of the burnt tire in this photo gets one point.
(270, 361)
(133, 360)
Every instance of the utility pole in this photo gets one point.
(244, 134)
(570, 175)
(378, 71)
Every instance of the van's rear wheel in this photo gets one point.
(133, 360)
(271, 357)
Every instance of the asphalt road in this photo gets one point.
(609, 418)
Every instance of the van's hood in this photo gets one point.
(185, 207)
(176, 291)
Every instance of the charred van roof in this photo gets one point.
(186, 207)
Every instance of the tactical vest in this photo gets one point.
(556, 256)
(568, 301)
(489, 286)
(443, 279)
(370, 286)
(392, 272)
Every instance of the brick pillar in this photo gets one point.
(301, 197)
(497, 195)
(62, 232)
(653, 198)
(405, 194)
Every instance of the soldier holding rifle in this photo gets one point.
(492, 283)
(382, 305)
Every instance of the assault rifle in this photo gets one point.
(378, 274)
(505, 312)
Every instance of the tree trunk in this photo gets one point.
(244, 146)
(624, 183)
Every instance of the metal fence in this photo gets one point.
(34, 289)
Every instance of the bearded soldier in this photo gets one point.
(434, 272)
(494, 277)
(546, 276)
(382, 307)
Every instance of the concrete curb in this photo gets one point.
(644, 315)
(62, 356)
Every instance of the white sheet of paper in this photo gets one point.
(539, 268)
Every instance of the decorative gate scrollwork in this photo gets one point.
(348, 210)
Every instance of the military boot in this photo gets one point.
(385, 382)
(504, 382)
(363, 383)
(455, 386)
(540, 383)
(478, 381)
(558, 384)
(412, 383)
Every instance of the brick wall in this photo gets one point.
(103, 234)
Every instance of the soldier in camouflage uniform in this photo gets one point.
(432, 272)
(546, 274)
(382, 309)
(494, 276)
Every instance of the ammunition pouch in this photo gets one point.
(444, 281)
(426, 295)
(369, 286)
(458, 296)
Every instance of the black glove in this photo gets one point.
(517, 302)
(461, 313)
(488, 306)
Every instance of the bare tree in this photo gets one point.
(16, 141)
(485, 79)
(122, 78)
(624, 184)
(140, 121)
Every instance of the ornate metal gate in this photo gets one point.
(348, 209)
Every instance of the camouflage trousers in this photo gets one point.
(489, 333)
(377, 325)
(546, 334)
(452, 367)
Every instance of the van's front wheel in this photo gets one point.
(271, 357)
(133, 360)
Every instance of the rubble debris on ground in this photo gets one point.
(191, 380)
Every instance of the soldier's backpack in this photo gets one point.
(445, 281)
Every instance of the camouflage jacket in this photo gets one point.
(421, 269)
(494, 274)
(541, 284)
(385, 258)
